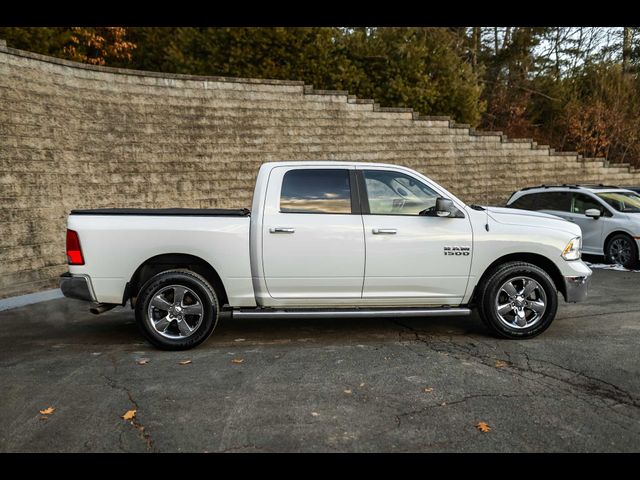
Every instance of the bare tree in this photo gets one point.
(626, 48)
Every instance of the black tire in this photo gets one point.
(613, 253)
(196, 284)
(491, 287)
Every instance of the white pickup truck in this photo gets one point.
(326, 239)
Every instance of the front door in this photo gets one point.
(592, 229)
(313, 243)
(412, 258)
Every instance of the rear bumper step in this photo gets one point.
(351, 313)
(76, 286)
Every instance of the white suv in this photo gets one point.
(608, 216)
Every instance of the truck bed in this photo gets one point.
(117, 241)
(164, 212)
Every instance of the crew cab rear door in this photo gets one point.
(312, 234)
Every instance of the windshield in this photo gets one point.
(622, 201)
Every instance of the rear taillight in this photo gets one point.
(74, 252)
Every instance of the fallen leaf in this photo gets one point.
(184, 362)
(143, 361)
(483, 427)
(428, 390)
(237, 360)
(130, 415)
(48, 411)
(348, 392)
(361, 385)
(501, 364)
(314, 414)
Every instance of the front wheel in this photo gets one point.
(518, 300)
(621, 250)
(177, 310)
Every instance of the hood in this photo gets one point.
(514, 216)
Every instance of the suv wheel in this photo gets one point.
(518, 300)
(177, 310)
(621, 250)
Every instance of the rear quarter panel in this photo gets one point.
(115, 246)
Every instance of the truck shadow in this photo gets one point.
(67, 322)
(341, 331)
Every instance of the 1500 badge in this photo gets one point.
(458, 251)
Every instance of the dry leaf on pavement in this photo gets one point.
(48, 411)
(501, 363)
(143, 361)
(184, 362)
(130, 415)
(483, 427)
(237, 360)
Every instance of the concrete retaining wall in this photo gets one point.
(79, 136)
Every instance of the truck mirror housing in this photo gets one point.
(445, 207)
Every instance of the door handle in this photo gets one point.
(385, 231)
(282, 230)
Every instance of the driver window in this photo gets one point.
(394, 193)
(582, 203)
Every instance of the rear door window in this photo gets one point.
(525, 202)
(316, 190)
(556, 201)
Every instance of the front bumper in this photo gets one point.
(77, 286)
(576, 288)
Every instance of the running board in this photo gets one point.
(351, 313)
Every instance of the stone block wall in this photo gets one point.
(78, 136)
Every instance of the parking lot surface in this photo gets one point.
(361, 385)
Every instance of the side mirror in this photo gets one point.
(593, 213)
(444, 207)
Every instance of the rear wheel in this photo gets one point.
(621, 249)
(177, 310)
(518, 300)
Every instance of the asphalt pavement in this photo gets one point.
(365, 385)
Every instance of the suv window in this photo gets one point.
(394, 193)
(581, 203)
(558, 201)
(525, 202)
(622, 201)
(316, 191)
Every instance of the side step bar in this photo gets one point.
(267, 313)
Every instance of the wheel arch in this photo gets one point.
(535, 259)
(613, 234)
(168, 261)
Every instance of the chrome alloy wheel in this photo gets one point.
(521, 302)
(175, 312)
(620, 251)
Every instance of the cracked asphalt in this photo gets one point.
(326, 385)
